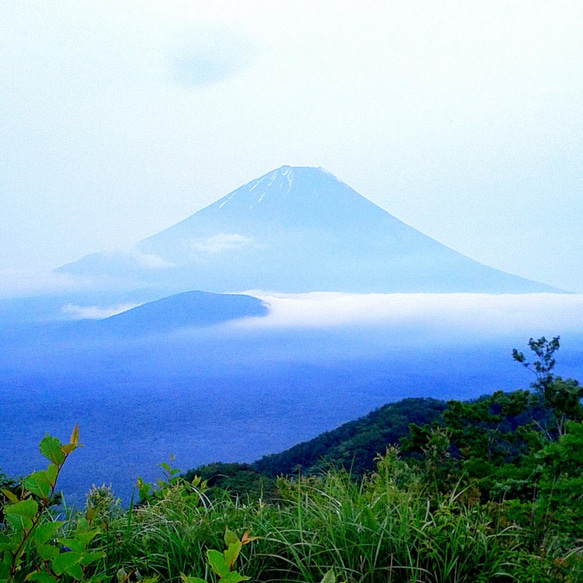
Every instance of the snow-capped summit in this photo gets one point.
(298, 229)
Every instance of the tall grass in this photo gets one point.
(382, 529)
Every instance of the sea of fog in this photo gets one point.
(239, 391)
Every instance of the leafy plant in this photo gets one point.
(30, 546)
(222, 564)
(191, 490)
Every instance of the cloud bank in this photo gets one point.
(76, 312)
(482, 315)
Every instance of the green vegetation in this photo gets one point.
(482, 491)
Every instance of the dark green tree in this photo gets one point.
(561, 396)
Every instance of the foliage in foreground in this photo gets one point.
(491, 491)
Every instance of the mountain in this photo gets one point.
(193, 309)
(187, 310)
(297, 229)
(354, 444)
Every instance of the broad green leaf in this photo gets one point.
(73, 544)
(89, 558)
(82, 525)
(76, 572)
(52, 472)
(25, 508)
(8, 543)
(65, 561)
(217, 562)
(188, 579)
(329, 577)
(232, 553)
(12, 497)
(50, 447)
(47, 552)
(230, 537)
(18, 522)
(41, 577)
(234, 577)
(45, 532)
(86, 537)
(39, 484)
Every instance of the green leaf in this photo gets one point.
(234, 577)
(76, 572)
(65, 561)
(217, 562)
(188, 579)
(39, 484)
(86, 537)
(50, 447)
(232, 553)
(73, 544)
(41, 577)
(89, 558)
(47, 552)
(44, 532)
(52, 472)
(25, 508)
(329, 577)
(9, 543)
(12, 497)
(230, 537)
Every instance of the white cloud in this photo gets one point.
(151, 261)
(481, 314)
(94, 312)
(220, 243)
(21, 282)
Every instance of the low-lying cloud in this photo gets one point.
(76, 312)
(21, 282)
(484, 314)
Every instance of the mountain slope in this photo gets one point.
(188, 310)
(355, 444)
(298, 230)
(193, 309)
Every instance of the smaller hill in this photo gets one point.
(188, 310)
(354, 445)
(193, 309)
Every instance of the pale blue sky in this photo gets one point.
(463, 118)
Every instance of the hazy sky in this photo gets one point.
(464, 119)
